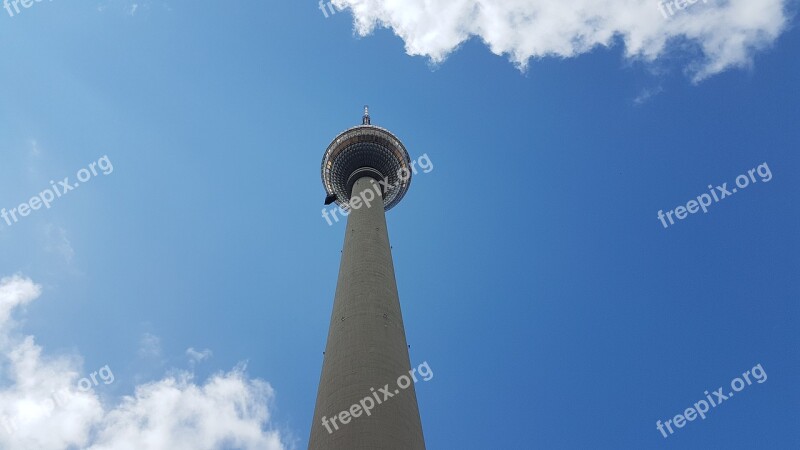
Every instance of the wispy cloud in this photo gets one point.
(149, 346)
(133, 8)
(229, 410)
(57, 241)
(196, 357)
(646, 94)
(33, 148)
(725, 34)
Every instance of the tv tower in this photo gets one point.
(366, 347)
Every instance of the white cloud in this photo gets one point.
(41, 407)
(15, 291)
(174, 413)
(726, 32)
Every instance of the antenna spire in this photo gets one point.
(365, 120)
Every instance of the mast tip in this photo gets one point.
(365, 120)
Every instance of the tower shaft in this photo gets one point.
(366, 347)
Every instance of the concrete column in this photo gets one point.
(366, 346)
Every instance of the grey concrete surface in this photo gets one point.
(366, 347)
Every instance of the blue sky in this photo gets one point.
(536, 280)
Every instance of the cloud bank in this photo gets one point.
(720, 33)
(42, 407)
